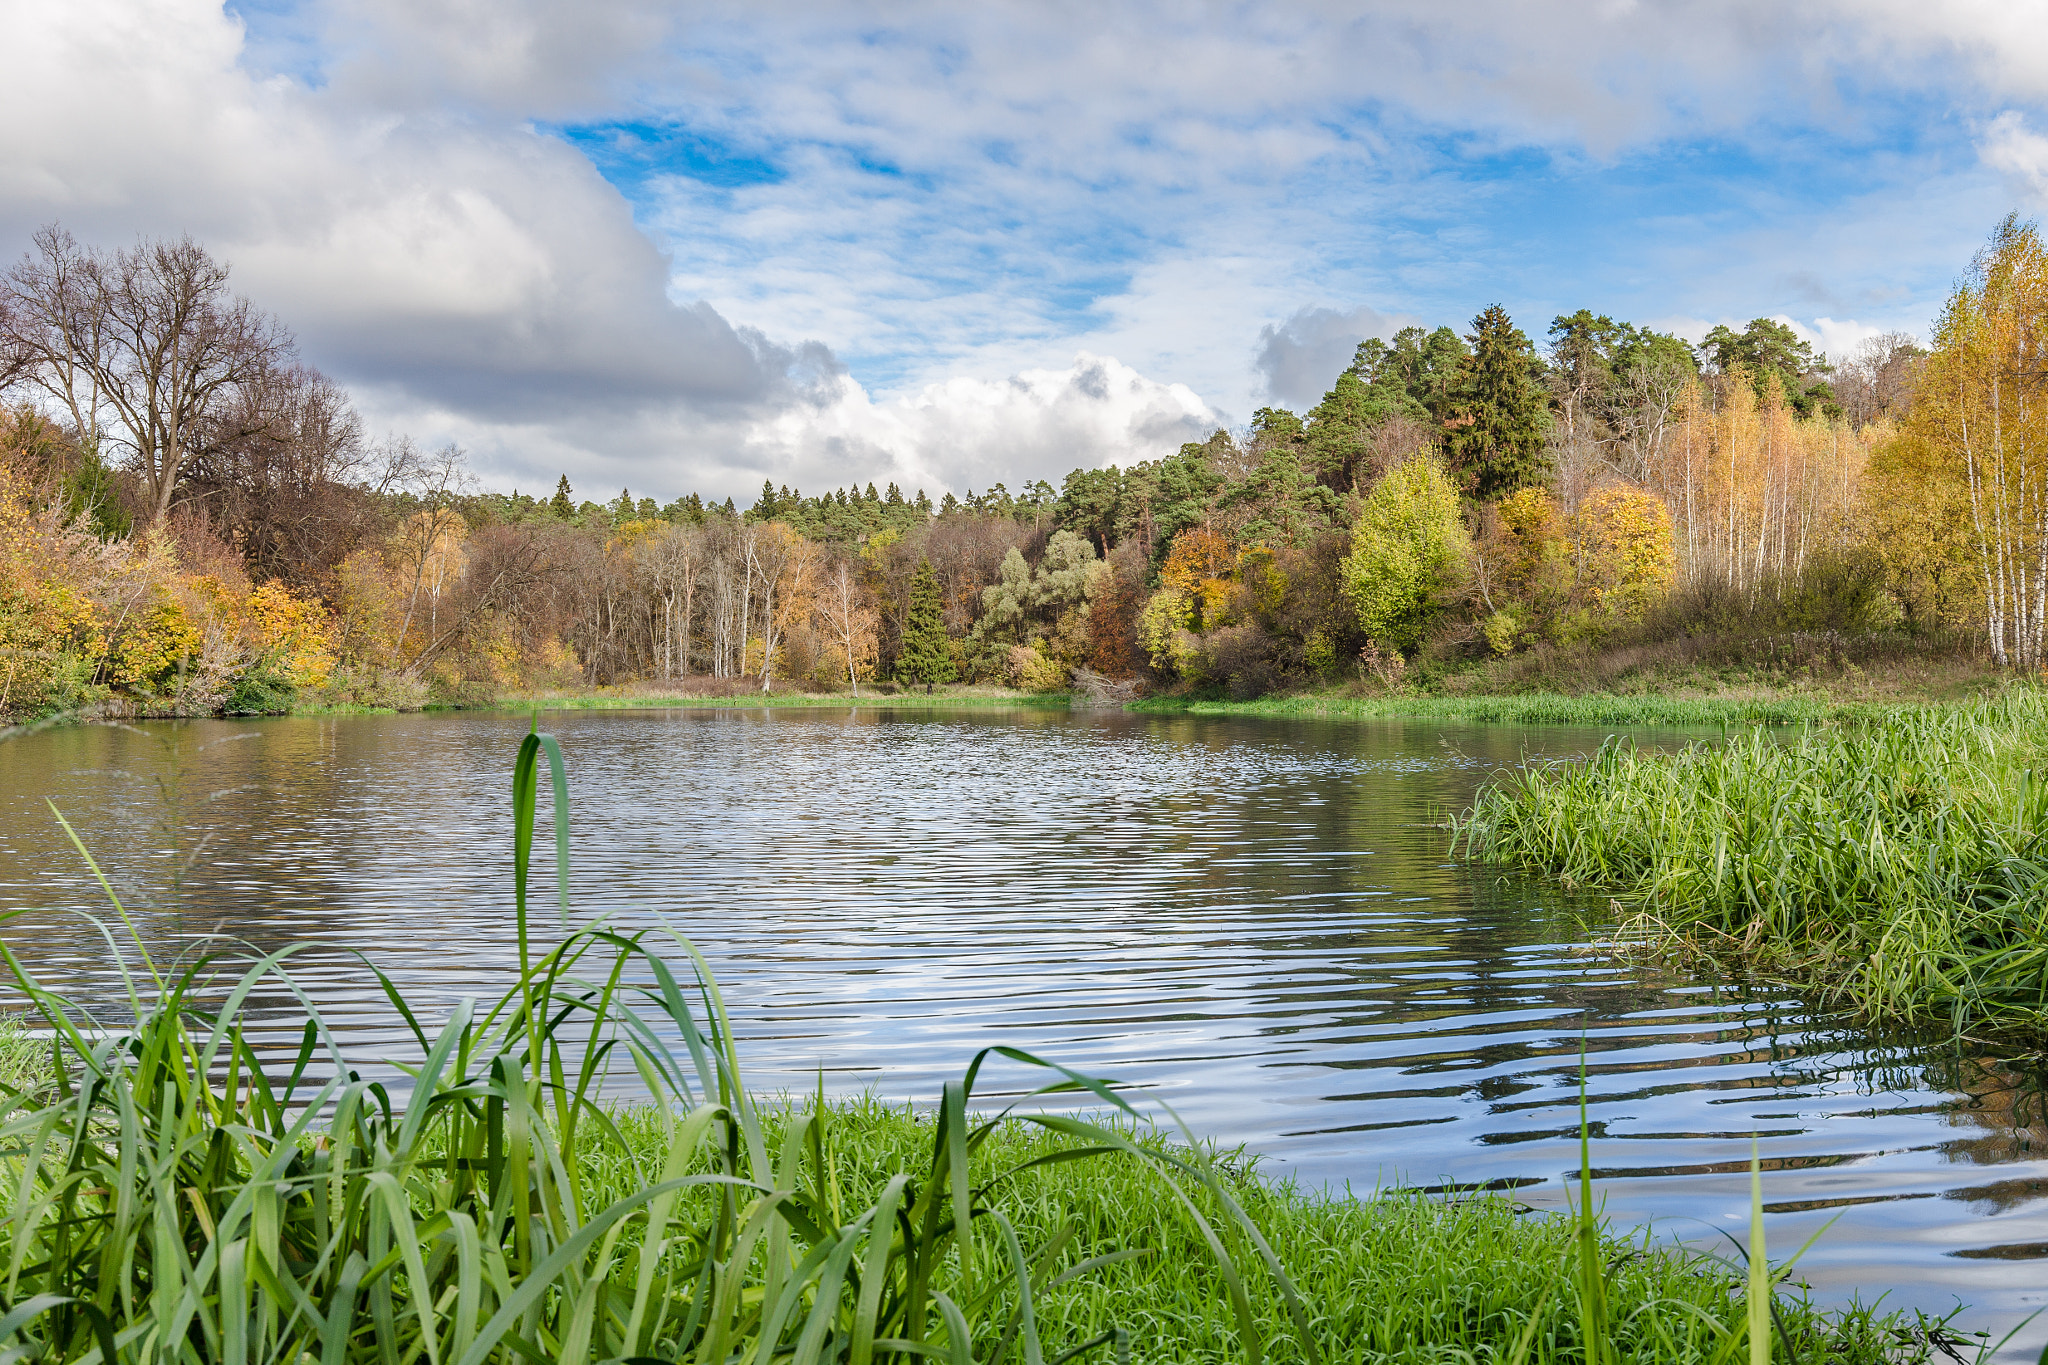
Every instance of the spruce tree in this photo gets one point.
(925, 656)
(1497, 413)
(560, 504)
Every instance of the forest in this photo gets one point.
(194, 520)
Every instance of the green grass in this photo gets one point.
(944, 697)
(180, 1194)
(1544, 709)
(1898, 866)
(1394, 1276)
(340, 708)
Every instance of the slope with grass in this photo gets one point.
(1540, 709)
(1898, 866)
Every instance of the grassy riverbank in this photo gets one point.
(747, 697)
(1896, 866)
(1541, 709)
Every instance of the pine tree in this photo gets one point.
(560, 504)
(1497, 413)
(925, 656)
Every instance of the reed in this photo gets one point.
(181, 1191)
(1897, 866)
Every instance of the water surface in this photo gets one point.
(1254, 919)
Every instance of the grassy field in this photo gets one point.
(179, 1193)
(1543, 709)
(1898, 866)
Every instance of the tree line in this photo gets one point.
(194, 519)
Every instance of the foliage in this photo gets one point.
(1983, 416)
(1408, 552)
(1917, 517)
(1770, 354)
(1495, 423)
(85, 622)
(1627, 561)
(924, 656)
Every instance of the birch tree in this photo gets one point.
(1983, 404)
(851, 619)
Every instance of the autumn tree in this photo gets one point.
(925, 654)
(1409, 550)
(1494, 431)
(145, 349)
(851, 619)
(1983, 406)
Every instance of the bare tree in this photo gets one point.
(678, 560)
(146, 348)
(1877, 379)
(17, 359)
(427, 548)
(288, 483)
(851, 619)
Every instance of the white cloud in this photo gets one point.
(2011, 147)
(956, 434)
(970, 432)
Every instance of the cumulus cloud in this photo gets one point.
(1303, 356)
(1835, 338)
(493, 268)
(971, 432)
(2011, 147)
(956, 434)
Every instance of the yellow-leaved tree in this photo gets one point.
(1627, 561)
(1982, 414)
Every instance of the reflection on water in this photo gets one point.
(1255, 919)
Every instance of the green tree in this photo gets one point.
(1765, 349)
(1420, 365)
(1341, 427)
(1496, 423)
(1162, 498)
(561, 504)
(926, 655)
(1408, 551)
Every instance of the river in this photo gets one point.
(1254, 920)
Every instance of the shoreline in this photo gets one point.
(1631, 709)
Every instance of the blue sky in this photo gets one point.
(946, 244)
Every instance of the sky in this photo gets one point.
(688, 248)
